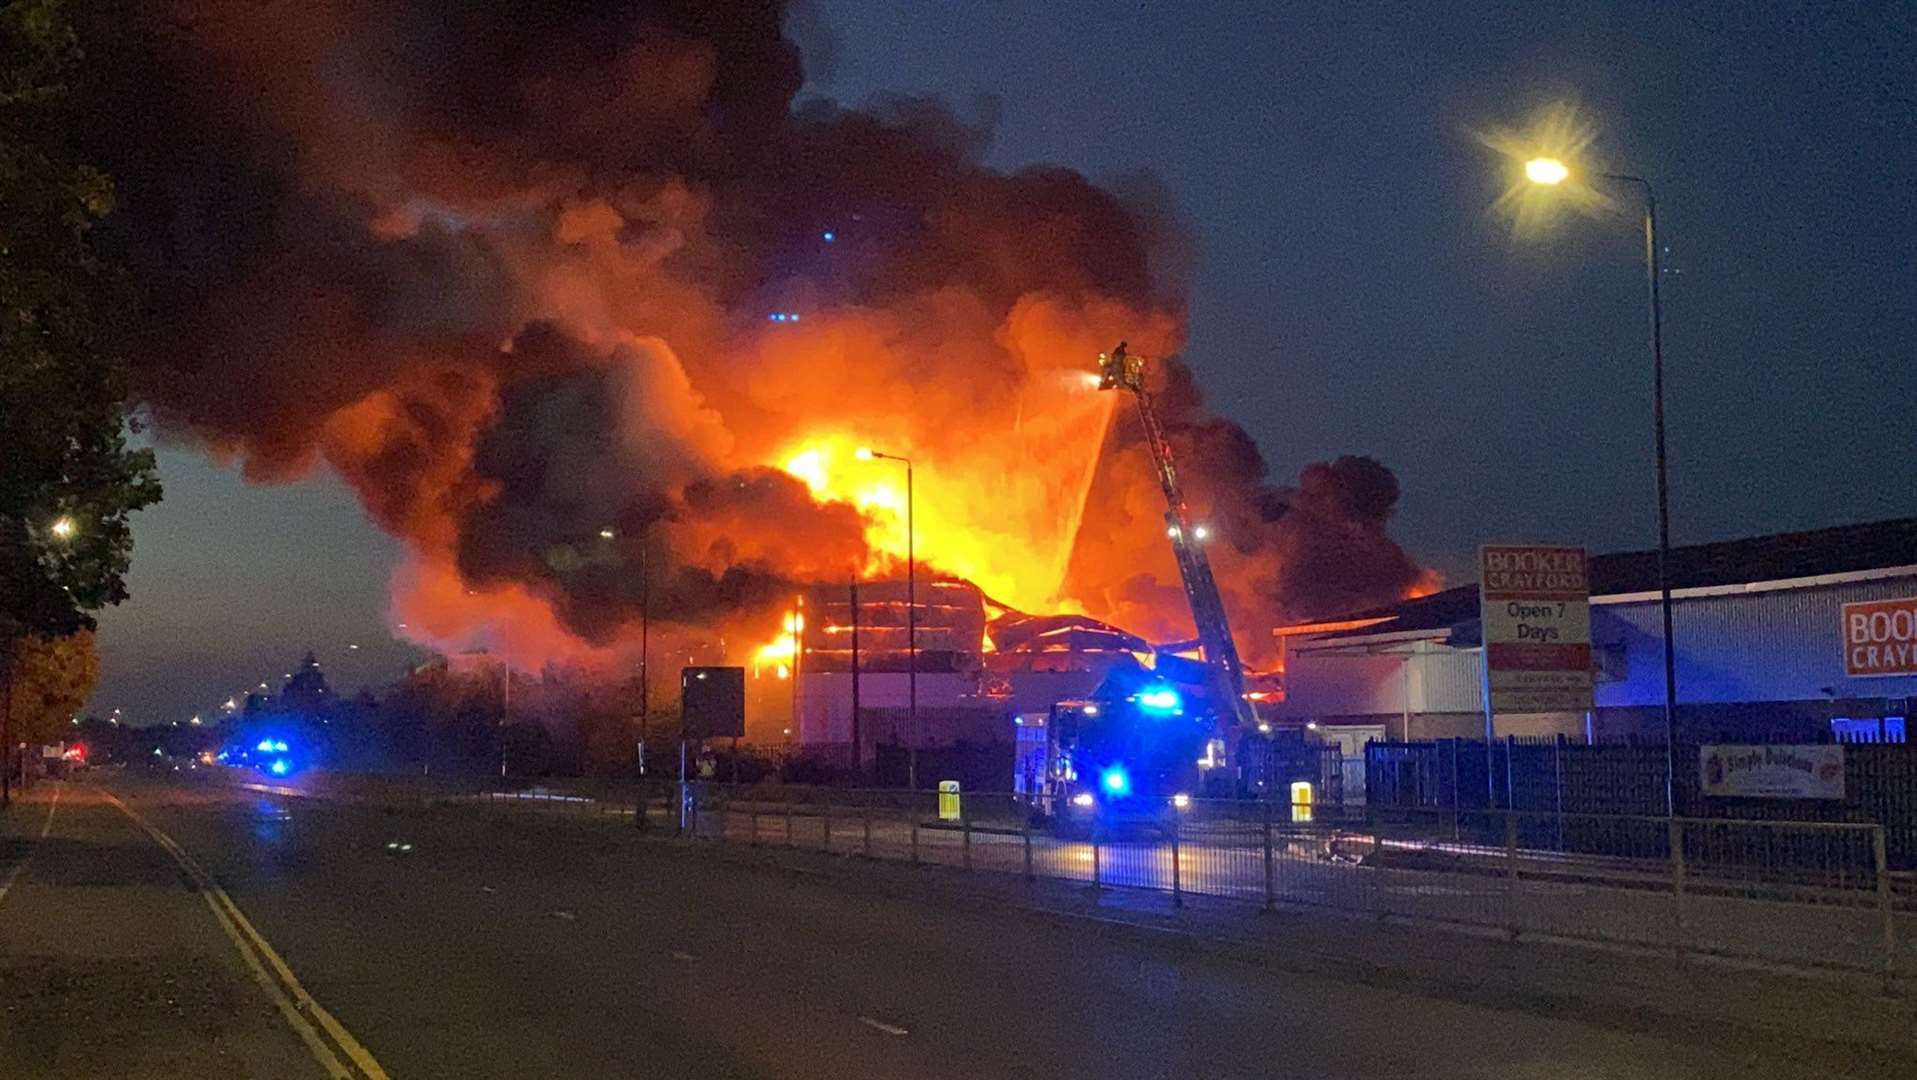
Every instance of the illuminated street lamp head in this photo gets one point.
(605, 534)
(62, 528)
(865, 453)
(1548, 164)
(1546, 170)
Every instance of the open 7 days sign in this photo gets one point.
(1536, 611)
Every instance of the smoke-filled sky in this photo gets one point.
(1327, 256)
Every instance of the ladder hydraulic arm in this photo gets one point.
(1118, 370)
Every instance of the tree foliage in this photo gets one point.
(52, 678)
(68, 479)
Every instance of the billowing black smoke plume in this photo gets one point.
(531, 278)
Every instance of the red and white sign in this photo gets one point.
(1534, 604)
(1880, 637)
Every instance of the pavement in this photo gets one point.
(465, 942)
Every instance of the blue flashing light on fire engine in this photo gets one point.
(1116, 781)
(1160, 699)
(279, 767)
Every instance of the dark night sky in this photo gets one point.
(1351, 292)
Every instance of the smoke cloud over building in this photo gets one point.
(565, 289)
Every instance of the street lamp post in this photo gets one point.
(911, 621)
(645, 655)
(1550, 171)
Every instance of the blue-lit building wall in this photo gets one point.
(1762, 661)
(1768, 657)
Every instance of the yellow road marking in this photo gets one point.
(288, 994)
(45, 827)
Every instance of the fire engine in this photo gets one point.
(1147, 743)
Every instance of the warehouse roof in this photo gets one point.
(1845, 549)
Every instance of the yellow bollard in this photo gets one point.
(1301, 800)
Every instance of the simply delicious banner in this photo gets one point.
(1772, 772)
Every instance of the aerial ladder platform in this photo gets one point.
(1120, 370)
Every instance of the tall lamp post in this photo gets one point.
(1551, 172)
(911, 620)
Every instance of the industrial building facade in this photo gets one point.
(1761, 650)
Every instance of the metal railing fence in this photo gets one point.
(1802, 894)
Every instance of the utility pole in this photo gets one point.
(858, 745)
(911, 636)
(911, 617)
(6, 722)
(645, 647)
(1652, 272)
(505, 712)
(798, 616)
(1549, 172)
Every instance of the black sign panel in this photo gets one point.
(712, 702)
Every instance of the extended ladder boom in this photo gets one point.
(1119, 370)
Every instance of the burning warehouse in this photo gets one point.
(986, 683)
(977, 664)
(591, 307)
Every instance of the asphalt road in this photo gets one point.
(459, 943)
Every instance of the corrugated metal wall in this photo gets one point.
(1445, 680)
(1320, 685)
(1774, 646)
(1781, 645)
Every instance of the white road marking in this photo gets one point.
(881, 1026)
(45, 827)
(567, 915)
(487, 889)
(685, 957)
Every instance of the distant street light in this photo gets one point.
(605, 534)
(1546, 170)
(911, 619)
(62, 528)
(1550, 172)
